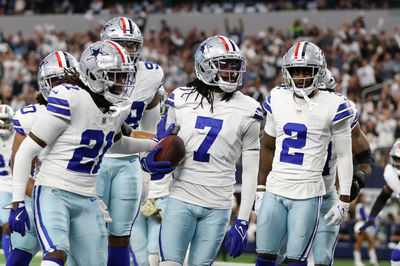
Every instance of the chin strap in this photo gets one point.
(311, 104)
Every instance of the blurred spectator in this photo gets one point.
(236, 34)
(366, 74)
(385, 128)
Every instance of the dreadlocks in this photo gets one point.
(206, 92)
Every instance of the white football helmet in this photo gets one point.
(51, 70)
(108, 70)
(219, 62)
(304, 55)
(125, 32)
(395, 154)
(6, 116)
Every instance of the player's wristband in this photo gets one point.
(261, 188)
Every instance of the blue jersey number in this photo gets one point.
(136, 114)
(297, 143)
(4, 172)
(328, 158)
(215, 125)
(83, 152)
(150, 65)
(28, 109)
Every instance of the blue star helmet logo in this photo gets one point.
(202, 47)
(95, 53)
(42, 64)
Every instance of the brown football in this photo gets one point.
(173, 150)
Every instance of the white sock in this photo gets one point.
(49, 263)
(357, 257)
(169, 263)
(372, 257)
(153, 259)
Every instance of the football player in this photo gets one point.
(324, 244)
(218, 124)
(50, 73)
(301, 121)
(391, 174)
(6, 139)
(120, 179)
(83, 119)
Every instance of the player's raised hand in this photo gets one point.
(338, 213)
(157, 170)
(161, 131)
(368, 223)
(237, 238)
(18, 218)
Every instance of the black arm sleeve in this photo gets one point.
(379, 203)
(365, 157)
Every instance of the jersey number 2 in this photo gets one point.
(215, 125)
(297, 143)
(98, 137)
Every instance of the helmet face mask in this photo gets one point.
(126, 33)
(308, 58)
(52, 69)
(219, 62)
(108, 70)
(6, 125)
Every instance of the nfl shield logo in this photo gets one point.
(104, 120)
(298, 112)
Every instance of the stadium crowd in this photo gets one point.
(19, 7)
(366, 64)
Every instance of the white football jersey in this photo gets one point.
(329, 172)
(5, 163)
(213, 142)
(303, 131)
(72, 160)
(149, 78)
(392, 179)
(25, 118)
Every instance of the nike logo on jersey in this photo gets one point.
(19, 214)
(131, 161)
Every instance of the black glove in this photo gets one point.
(358, 183)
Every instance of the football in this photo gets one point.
(173, 150)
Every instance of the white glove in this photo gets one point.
(258, 201)
(338, 213)
(103, 208)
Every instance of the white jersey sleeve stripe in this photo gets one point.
(343, 115)
(258, 114)
(65, 113)
(355, 120)
(343, 106)
(171, 100)
(267, 107)
(18, 127)
(58, 101)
